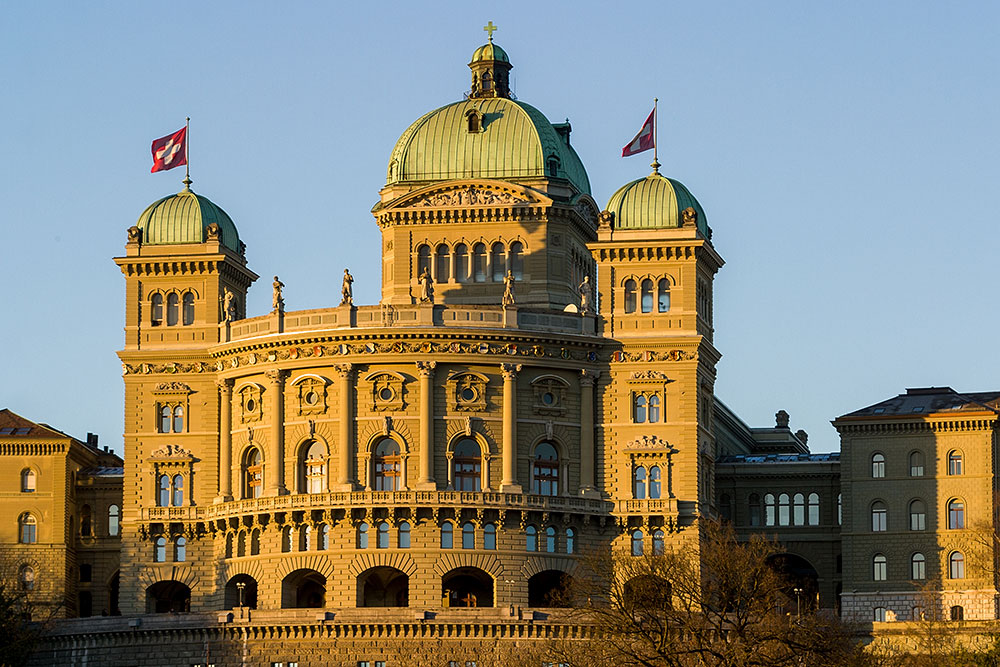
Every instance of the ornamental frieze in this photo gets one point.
(651, 355)
(469, 196)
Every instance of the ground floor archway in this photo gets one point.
(303, 589)
(800, 582)
(550, 588)
(467, 587)
(168, 596)
(383, 587)
(246, 596)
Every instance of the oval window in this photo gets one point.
(312, 398)
(385, 393)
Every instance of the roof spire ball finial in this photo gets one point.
(490, 28)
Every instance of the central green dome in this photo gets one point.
(512, 141)
(184, 218)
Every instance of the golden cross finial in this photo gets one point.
(489, 28)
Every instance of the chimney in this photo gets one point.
(92, 440)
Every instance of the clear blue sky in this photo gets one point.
(846, 154)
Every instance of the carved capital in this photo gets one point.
(225, 385)
(277, 376)
(343, 370)
(588, 377)
(426, 368)
(510, 371)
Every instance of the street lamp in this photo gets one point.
(798, 601)
(240, 585)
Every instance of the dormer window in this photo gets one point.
(474, 120)
(552, 166)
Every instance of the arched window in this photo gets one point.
(423, 260)
(252, 473)
(473, 121)
(878, 465)
(178, 494)
(404, 534)
(479, 263)
(647, 296)
(956, 565)
(550, 540)
(531, 538)
(467, 465)
(918, 566)
(957, 613)
(178, 419)
(637, 542)
(879, 567)
(498, 261)
(654, 482)
(517, 260)
(163, 491)
(241, 544)
(754, 504)
(880, 517)
(443, 263)
(956, 514)
(629, 296)
(180, 550)
(305, 538)
(918, 515)
(166, 419)
(160, 550)
(114, 516)
(954, 462)
(879, 615)
(286, 539)
(461, 263)
(657, 542)
(570, 541)
(468, 536)
(173, 306)
(313, 467)
(363, 535)
(28, 481)
(27, 528)
(783, 510)
(487, 82)
(255, 540)
(663, 295)
(769, 509)
(447, 535)
(639, 483)
(388, 465)
(229, 545)
(545, 470)
(156, 310)
(188, 308)
(916, 464)
(382, 537)
(639, 414)
(799, 509)
(654, 409)
(813, 509)
(27, 578)
(490, 537)
(85, 521)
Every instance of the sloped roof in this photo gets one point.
(926, 400)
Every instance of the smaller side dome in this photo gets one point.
(185, 218)
(656, 202)
(490, 51)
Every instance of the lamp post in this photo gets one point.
(798, 601)
(240, 585)
(508, 583)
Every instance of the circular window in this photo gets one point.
(312, 398)
(468, 394)
(548, 398)
(251, 405)
(385, 393)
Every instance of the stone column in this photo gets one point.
(225, 441)
(345, 443)
(425, 481)
(509, 482)
(275, 464)
(588, 481)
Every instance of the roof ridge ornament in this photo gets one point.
(490, 29)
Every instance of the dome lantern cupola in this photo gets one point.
(490, 69)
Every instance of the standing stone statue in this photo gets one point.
(586, 294)
(347, 289)
(229, 306)
(277, 301)
(508, 289)
(426, 287)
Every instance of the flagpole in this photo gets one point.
(656, 161)
(187, 161)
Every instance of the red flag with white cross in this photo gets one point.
(170, 151)
(643, 141)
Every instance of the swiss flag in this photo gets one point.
(170, 151)
(643, 141)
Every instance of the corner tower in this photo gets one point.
(656, 265)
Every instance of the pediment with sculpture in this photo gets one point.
(469, 194)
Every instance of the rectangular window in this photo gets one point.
(85, 572)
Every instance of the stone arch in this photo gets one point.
(372, 559)
(152, 574)
(301, 432)
(550, 588)
(798, 574)
(250, 568)
(468, 587)
(541, 563)
(456, 432)
(375, 430)
(536, 433)
(310, 376)
(167, 595)
(304, 588)
(300, 561)
(383, 586)
(249, 383)
(456, 560)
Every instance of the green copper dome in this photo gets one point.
(654, 202)
(511, 141)
(490, 52)
(184, 218)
